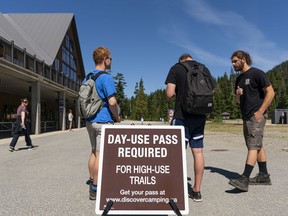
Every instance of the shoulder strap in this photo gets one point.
(94, 77)
(98, 74)
(198, 65)
(89, 75)
(187, 66)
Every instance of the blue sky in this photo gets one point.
(147, 37)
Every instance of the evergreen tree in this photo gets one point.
(234, 107)
(155, 105)
(120, 84)
(136, 91)
(279, 78)
(140, 107)
(126, 108)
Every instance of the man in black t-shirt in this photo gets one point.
(254, 93)
(194, 124)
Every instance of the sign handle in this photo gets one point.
(107, 208)
(174, 207)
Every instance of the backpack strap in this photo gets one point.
(195, 66)
(201, 68)
(94, 77)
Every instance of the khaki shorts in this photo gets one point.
(253, 133)
(94, 131)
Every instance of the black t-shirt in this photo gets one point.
(252, 82)
(178, 76)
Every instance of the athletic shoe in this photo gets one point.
(260, 179)
(92, 192)
(89, 181)
(32, 147)
(196, 196)
(241, 182)
(11, 149)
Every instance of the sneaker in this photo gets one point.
(260, 179)
(89, 181)
(11, 149)
(32, 147)
(92, 193)
(195, 196)
(241, 182)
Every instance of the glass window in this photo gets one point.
(68, 60)
(1, 50)
(30, 62)
(57, 65)
(7, 53)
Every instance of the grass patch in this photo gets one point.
(236, 127)
(223, 127)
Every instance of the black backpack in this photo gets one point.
(89, 102)
(198, 95)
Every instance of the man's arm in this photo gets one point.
(113, 106)
(170, 90)
(23, 119)
(269, 95)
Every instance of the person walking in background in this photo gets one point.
(22, 124)
(254, 93)
(194, 123)
(108, 114)
(70, 119)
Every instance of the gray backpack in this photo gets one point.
(89, 102)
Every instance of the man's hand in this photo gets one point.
(258, 116)
(239, 91)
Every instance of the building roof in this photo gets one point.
(41, 34)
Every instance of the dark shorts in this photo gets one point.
(253, 133)
(194, 129)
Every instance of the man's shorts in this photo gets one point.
(94, 131)
(194, 129)
(253, 133)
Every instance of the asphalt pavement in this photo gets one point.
(51, 180)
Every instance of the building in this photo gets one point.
(40, 58)
(225, 116)
(280, 116)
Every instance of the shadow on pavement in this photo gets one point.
(228, 174)
(25, 148)
(235, 191)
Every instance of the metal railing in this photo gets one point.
(49, 126)
(6, 126)
(45, 126)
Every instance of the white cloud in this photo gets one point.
(238, 33)
(181, 37)
(203, 12)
